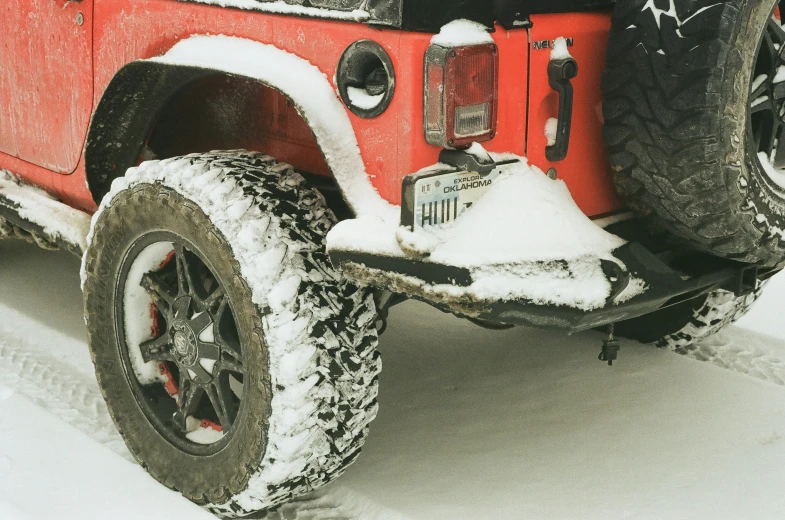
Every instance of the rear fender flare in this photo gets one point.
(136, 95)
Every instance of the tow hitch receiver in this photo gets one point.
(746, 280)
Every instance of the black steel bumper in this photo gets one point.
(671, 276)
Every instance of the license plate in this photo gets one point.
(434, 198)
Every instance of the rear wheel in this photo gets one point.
(240, 368)
(694, 106)
(682, 325)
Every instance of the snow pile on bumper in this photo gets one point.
(525, 239)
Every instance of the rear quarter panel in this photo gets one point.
(392, 145)
(585, 170)
(131, 30)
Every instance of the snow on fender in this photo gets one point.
(313, 95)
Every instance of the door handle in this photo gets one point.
(560, 72)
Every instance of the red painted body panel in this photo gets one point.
(586, 169)
(46, 88)
(158, 24)
(392, 145)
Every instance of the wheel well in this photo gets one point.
(156, 111)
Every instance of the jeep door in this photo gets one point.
(46, 84)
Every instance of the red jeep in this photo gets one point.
(371, 151)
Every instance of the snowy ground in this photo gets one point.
(474, 424)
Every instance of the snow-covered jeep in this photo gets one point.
(370, 151)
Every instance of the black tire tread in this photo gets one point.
(341, 317)
(667, 126)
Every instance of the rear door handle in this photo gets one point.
(560, 72)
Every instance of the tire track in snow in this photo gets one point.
(744, 351)
(74, 397)
(58, 388)
(331, 503)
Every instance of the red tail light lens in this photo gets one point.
(461, 87)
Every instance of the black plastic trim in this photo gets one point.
(482, 164)
(125, 116)
(431, 15)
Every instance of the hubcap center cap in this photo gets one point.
(184, 341)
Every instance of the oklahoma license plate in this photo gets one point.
(434, 198)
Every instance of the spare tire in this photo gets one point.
(693, 108)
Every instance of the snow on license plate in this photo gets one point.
(440, 198)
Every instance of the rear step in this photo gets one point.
(32, 214)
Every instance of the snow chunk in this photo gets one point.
(137, 315)
(360, 98)
(377, 236)
(657, 12)
(560, 50)
(551, 127)
(462, 32)
(281, 7)
(779, 77)
(758, 101)
(525, 216)
(310, 90)
(758, 81)
(477, 150)
(202, 435)
(415, 243)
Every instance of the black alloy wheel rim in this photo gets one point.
(187, 299)
(767, 94)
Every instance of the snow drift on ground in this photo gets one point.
(473, 424)
(49, 470)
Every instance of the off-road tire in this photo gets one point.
(675, 101)
(311, 394)
(680, 326)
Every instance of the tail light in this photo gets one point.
(461, 85)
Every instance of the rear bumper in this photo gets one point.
(493, 238)
(665, 287)
(670, 276)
